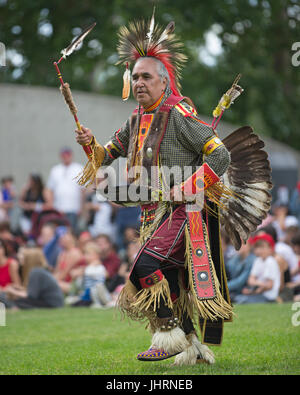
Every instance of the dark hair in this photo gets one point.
(270, 230)
(4, 225)
(296, 239)
(7, 178)
(4, 246)
(108, 239)
(38, 183)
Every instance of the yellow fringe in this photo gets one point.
(89, 173)
(142, 305)
(183, 304)
(210, 308)
(218, 192)
(150, 297)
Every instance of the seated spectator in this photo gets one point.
(290, 232)
(125, 217)
(39, 219)
(11, 242)
(9, 269)
(227, 248)
(101, 222)
(131, 234)
(69, 258)
(84, 238)
(48, 240)
(125, 267)
(5, 232)
(94, 276)
(39, 288)
(264, 280)
(282, 220)
(3, 213)
(8, 194)
(286, 259)
(295, 202)
(33, 198)
(238, 269)
(294, 285)
(108, 255)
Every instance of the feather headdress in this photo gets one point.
(146, 39)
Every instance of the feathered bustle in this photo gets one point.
(249, 178)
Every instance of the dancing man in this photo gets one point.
(178, 280)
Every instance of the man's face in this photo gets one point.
(66, 157)
(104, 245)
(147, 86)
(263, 249)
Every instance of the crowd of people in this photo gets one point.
(60, 245)
(267, 268)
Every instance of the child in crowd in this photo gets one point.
(8, 194)
(68, 259)
(238, 269)
(94, 276)
(295, 274)
(132, 250)
(264, 280)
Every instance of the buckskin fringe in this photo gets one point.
(183, 305)
(138, 305)
(88, 174)
(219, 192)
(207, 308)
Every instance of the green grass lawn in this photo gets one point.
(261, 340)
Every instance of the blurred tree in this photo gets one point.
(222, 38)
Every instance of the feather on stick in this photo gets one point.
(77, 41)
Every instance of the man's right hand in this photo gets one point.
(83, 136)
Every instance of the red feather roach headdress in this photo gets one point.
(146, 39)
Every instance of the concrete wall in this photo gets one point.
(35, 123)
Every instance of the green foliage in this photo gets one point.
(255, 37)
(260, 340)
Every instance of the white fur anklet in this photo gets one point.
(194, 350)
(187, 357)
(172, 341)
